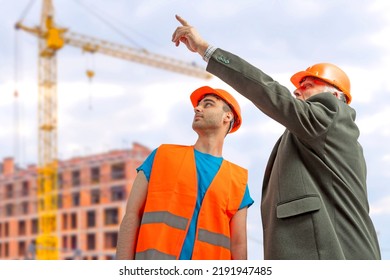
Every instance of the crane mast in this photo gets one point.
(47, 240)
(51, 39)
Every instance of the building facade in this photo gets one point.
(92, 196)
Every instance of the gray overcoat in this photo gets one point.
(314, 199)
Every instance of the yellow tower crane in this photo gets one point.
(51, 39)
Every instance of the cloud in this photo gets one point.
(381, 207)
(378, 123)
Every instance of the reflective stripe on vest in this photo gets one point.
(215, 239)
(166, 218)
(153, 254)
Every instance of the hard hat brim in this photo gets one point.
(199, 93)
(297, 77)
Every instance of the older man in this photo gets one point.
(314, 198)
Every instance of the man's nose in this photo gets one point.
(297, 93)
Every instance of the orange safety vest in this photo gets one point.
(170, 204)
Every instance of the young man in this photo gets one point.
(187, 202)
(314, 198)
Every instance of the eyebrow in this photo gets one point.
(312, 80)
(207, 99)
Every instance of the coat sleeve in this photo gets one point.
(306, 119)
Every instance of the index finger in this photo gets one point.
(182, 20)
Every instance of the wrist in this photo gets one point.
(202, 49)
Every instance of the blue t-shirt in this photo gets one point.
(207, 167)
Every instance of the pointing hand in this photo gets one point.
(189, 36)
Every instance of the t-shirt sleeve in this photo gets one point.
(147, 165)
(247, 200)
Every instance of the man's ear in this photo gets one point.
(336, 94)
(229, 116)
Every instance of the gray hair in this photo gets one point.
(332, 89)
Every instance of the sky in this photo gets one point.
(127, 102)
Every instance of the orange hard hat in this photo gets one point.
(198, 94)
(329, 73)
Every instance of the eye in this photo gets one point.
(306, 86)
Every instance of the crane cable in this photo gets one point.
(18, 145)
(90, 74)
(18, 141)
(16, 100)
(26, 10)
(103, 16)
